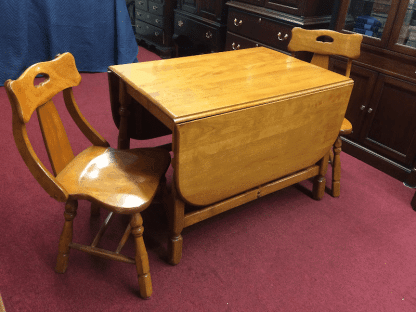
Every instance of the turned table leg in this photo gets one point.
(319, 182)
(125, 101)
(176, 223)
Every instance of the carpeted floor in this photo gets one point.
(283, 252)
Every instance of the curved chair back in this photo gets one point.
(324, 43)
(25, 97)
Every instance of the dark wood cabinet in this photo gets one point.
(382, 107)
(200, 25)
(153, 24)
(269, 22)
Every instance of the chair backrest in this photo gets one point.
(323, 43)
(25, 97)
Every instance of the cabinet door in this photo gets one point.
(364, 82)
(390, 128)
(374, 19)
(403, 37)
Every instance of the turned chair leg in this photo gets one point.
(66, 236)
(336, 168)
(142, 260)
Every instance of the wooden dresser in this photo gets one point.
(200, 25)
(269, 22)
(382, 107)
(154, 24)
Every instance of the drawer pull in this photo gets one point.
(208, 35)
(156, 33)
(141, 2)
(260, 20)
(362, 107)
(235, 47)
(236, 23)
(154, 7)
(370, 110)
(157, 21)
(279, 36)
(180, 23)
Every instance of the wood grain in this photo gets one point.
(224, 155)
(194, 87)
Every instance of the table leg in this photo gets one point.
(319, 182)
(176, 224)
(125, 101)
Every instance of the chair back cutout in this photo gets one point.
(333, 43)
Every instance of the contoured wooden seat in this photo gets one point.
(121, 181)
(333, 43)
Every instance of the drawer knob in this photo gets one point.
(279, 36)
(236, 23)
(362, 107)
(235, 47)
(208, 35)
(156, 33)
(154, 7)
(180, 23)
(157, 21)
(141, 2)
(370, 110)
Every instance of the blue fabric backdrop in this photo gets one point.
(97, 33)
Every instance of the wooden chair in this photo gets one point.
(121, 181)
(324, 43)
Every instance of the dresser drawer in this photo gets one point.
(150, 18)
(198, 32)
(150, 32)
(235, 42)
(156, 8)
(142, 5)
(258, 28)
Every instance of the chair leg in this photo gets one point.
(336, 168)
(66, 236)
(142, 260)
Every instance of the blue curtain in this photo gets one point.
(97, 33)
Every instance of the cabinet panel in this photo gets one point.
(391, 127)
(364, 83)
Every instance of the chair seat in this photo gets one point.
(346, 127)
(124, 181)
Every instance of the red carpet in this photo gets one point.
(284, 252)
